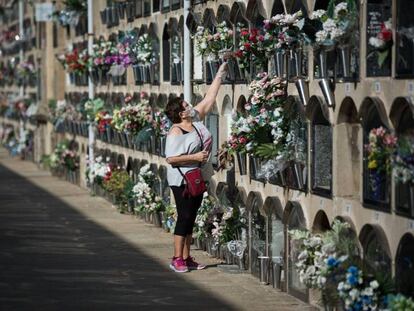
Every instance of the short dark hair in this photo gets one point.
(173, 109)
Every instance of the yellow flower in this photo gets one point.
(372, 164)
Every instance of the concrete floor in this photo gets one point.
(62, 249)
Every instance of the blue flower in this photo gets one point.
(353, 270)
(332, 262)
(352, 279)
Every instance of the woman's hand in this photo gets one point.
(201, 156)
(222, 71)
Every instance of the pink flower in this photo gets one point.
(390, 140)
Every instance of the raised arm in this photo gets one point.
(207, 103)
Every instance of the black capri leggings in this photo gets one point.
(186, 209)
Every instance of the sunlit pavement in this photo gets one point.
(62, 249)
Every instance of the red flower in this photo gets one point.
(247, 46)
(242, 140)
(385, 34)
(238, 54)
(244, 32)
(261, 38)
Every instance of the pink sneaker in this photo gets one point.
(192, 265)
(178, 264)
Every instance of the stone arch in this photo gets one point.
(317, 104)
(162, 101)
(404, 265)
(255, 12)
(129, 166)
(321, 222)
(258, 241)
(292, 6)
(278, 7)
(272, 205)
(367, 107)
(237, 13)
(293, 218)
(241, 102)
(120, 160)
(347, 112)
(209, 19)
(275, 229)
(376, 250)
(223, 14)
(402, 114)
(193, 21)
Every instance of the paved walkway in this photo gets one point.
(62, 249)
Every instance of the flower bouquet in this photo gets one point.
(379, 150)
(75, 61)
(103, 120)
(101, 52)
(119, 60)
(144, 57)
(25, 72)
(253, 47)
(261, 130)
(403, 161)
(382, 43)
(215, 45)
(93, 107)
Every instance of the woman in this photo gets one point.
(188, 146)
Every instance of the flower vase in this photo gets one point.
(303, 90)
(298, 174)
(212, 66)
(231, 73)
(128, 138)
(295, 63)
(121, 10)
(241, 159)
(145, 73)
(162, 146)
(109, 135)
(103, 17)
(151, 73)
(323, 63)
(264, 269)
(345, 60)
(327, 91)
(136, 69)
(122, 139)
(178, 72)
(276, 275)
(94, 74)
(157, 219)
(378, 186)
(254, 167)
(103, 79)
(147, 216)
(130, 11)
(280, 65)
(115, 16)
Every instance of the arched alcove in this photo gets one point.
(295, 174)
(404, 266)
(226, 112)
(162, 173)
(376, 251)
(278, 7)
(255, 13)
(348, 150)
(176, 42)
(275, 229)
(321, 5)
(129, 166)
(404, 63)
(293, 6)
(293, 218)
(402, 118)
(120, 161)
(321, 222)
(376, 184)
(153, 34)
(257, 228)
(166, 53)
(161, 101)
(241, 102)
(321, 144)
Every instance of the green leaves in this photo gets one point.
(267, 151)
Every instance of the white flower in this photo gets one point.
(317, 14)
(342, 6)
(374, 284)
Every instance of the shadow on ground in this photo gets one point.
(53, 258)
